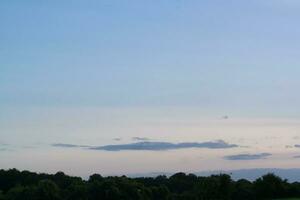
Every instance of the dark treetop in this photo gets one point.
(25, 185)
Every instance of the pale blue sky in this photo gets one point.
(110, 53)
(143, 68)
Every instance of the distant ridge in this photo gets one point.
(292, 175)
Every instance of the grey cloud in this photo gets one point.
(161, 146)
(248, 156)
(225, 117)
(3, 149)
(140, 138)
(68, 145)
(296, 157)
(297, 145)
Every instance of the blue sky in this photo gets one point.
(203, 53)
(135, 63)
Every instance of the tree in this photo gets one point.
(95, 177)
(269, 186)
(21, 193)
(16, 185)
(160, 192)
(76, 191)
(181, 182)
(243, 190)
(1, 195)
(47, 190)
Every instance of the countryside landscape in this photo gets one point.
(149, 100)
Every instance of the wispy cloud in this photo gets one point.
(161, 146)
(3, 149)
(248, 156)
(152, 146)
(140, 138)
(69, 145)
(297, 145)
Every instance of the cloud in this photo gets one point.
(161, 146)
(296, 157)
(3, 149)
(297, 145)
(69, 145)
(140, 138)
(248, 156)
(117, 139)
(225, 117)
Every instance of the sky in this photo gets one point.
(125, 87)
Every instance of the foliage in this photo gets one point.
(25, 185)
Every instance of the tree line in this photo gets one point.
(25, 185)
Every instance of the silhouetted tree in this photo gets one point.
(243, 190)
(1, 195)
(25, 185)
(95, 177)
(47, 190)
(269, 186)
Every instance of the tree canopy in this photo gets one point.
(25, 185)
